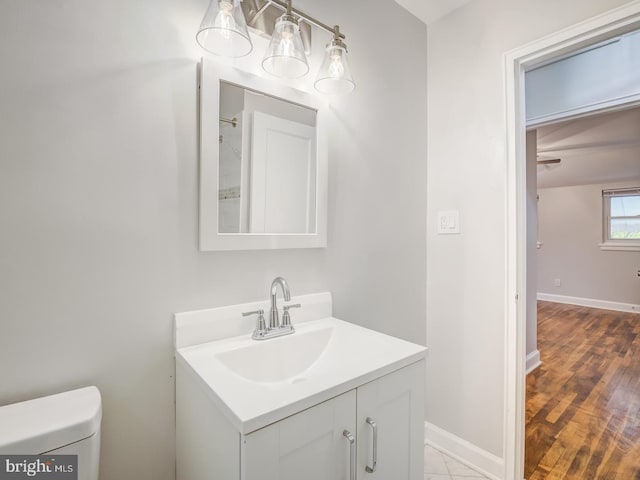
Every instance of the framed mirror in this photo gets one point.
(263, 163)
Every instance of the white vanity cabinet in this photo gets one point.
(323, 442)
(395, 403)
(333, 401)
(309, 445)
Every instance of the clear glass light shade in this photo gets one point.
(223, 30)
(285, 56)
(335, 76)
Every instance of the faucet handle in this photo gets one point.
(286, 318)
(261, 325)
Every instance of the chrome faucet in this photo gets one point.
(275, 328)
(274, 321)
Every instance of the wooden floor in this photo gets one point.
(583, 403)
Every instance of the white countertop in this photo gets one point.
(349, 356)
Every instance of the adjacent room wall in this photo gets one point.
(606, 74)
(99, 195)
(467, 171)
(570, 230)
(532, 353)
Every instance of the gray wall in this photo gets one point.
(98, 202)
(570, 230)
(467, 171)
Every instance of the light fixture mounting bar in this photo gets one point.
(285, 6)
(259, 12)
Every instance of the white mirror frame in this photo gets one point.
(211, 74)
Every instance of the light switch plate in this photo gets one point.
(448, 222)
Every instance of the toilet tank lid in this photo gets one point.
(44, 424)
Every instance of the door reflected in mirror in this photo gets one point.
(267, 175)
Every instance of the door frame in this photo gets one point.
(610, 24)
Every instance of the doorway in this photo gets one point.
(614, 23)
(581, 402)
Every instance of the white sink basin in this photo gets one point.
(256, 383)
(279, 359)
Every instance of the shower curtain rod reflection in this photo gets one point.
(233, 121)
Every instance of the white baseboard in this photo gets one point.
(465, 452)
(533, 361)
(590, 302)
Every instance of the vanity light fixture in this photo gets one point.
(335, 76)
(224, 32)
(285, 56)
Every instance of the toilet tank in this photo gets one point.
(64, 424)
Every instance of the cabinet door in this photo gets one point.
(309, 445)
(395, 405)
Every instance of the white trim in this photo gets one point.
(616, 107)
(533, 361)
(590, 302)
(465, 452)
(609, 105)
(614, 22)
(632, 247)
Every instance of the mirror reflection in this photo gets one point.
(267, 164)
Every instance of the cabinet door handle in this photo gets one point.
(352, 454)
(374, 426)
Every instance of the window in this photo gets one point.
(621, 210)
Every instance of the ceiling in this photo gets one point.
(431, 10)
(601, 148)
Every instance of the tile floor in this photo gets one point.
(438, 466)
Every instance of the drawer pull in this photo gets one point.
(352, 454)
(374, 426)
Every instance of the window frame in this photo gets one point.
(608, 243)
